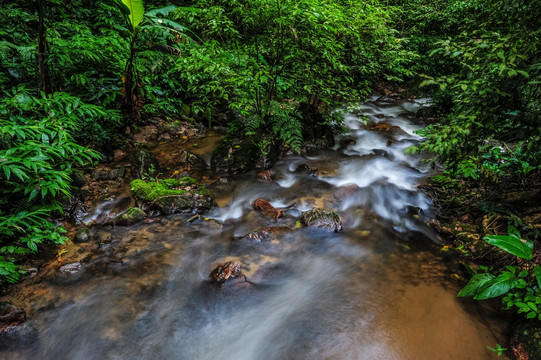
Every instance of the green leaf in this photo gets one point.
(510, 244)
(136, 11)
(512, 231)
(496, 287)
(474, 284)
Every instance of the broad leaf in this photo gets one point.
(475, 283)
(510, 244)
(496, 287)
(136, 11)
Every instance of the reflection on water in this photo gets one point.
(376, 290)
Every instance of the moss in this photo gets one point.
(131, 216)
(171, 195)
(150, 191)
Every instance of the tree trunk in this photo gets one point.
(44, 77)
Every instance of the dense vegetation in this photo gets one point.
(75, 76)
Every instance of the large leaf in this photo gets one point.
(498, 286)
(136, 11)
(475, 283)
(511, 244)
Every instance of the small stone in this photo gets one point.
(264, 175)
(81, 236)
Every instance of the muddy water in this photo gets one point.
(380, 289)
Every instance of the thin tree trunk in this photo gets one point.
(44, 77)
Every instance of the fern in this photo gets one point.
(286, 125)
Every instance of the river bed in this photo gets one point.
(379, 289)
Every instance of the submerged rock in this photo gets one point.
(322, 218)
(306, 169)
(264, 176)
(224, 272)
(143, 164)
(264, 234)
(130, 217)
(267, 209)
(14, 332)
(171, 196)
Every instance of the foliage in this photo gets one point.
(520, 287)
(37, 155)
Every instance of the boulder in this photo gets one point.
(130, 217)
(322, 218)
(143, 164)
(171, 196)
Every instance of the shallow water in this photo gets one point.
(379, 289)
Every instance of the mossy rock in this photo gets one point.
(130, 217)
(526, 336)
(171, 196)
(322, 218)
(239, 155)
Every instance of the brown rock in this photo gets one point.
(264, 175)
(267, 209)
(381, 126)
(223, 272)
(119, 155)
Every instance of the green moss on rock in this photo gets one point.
(130, 217)
(172, 195)
(322, 218)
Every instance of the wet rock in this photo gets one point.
(130, 217)
(239, 155)
(109, 174)
(264, 234)
(267, 209)
(322, 218)
(171, 196)
(10, 315)
(72, 268)
(347, 191)
(526, 339)
(81, 236)
(224, 272)
(347, 141)
(380, 152)
(381, 126)
(116, 173)
(264, 175)
(143, 164)
(306, 169)
(14, 332)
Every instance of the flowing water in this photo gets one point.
(379, 289)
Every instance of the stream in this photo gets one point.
(379, 289)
